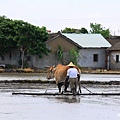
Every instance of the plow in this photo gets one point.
(90, 93)
(78, 93)
(66, 94)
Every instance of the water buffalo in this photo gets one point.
(59, 73)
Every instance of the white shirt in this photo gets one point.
(72, 72)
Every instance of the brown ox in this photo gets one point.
(59, 73)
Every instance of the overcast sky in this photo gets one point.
(55, 15)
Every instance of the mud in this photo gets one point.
(22, 107)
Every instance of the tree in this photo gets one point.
(73, 30)
(69, 30)
(97, 28)
(59, 53)
(74, 56)
(31, 39)
(28, 38)
(83, 30)
(6, 35)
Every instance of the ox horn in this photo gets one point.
(47, 66)
(53, 65)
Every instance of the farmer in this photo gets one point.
(73, 75)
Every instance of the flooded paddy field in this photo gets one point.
(33, 107)
(42, 76)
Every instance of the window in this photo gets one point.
(28, 58)
(2, 58)
(20, 55)
(95, 57)
(10, 56)
(117, 58)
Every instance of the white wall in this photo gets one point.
(113, 64)
(15, 54)
(49, 60)
(114, 53)
(86, 58)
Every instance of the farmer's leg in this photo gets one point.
(73, 85)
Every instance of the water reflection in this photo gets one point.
(66, 99)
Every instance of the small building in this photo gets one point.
(11, 58)
(113, 53)
(92, 53)
(56, 42)
(91, 48)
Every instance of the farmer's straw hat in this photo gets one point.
(71, 64)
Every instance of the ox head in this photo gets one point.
(50, 72)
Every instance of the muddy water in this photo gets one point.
(42, 76)
(23, 76)
(23, 107)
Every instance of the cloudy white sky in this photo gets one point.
(55, 15)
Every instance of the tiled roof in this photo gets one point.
(113, 41)
(114, 47)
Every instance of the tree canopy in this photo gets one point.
(6, 34)
(97, 28)
(28, 38)
(22, 34)
(31, 38)
(73, 30)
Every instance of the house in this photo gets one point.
(56, 41)
(11, 58)
(92, 53)
(113, 53)
(91, 49)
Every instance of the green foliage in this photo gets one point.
(8, 66)
(31, 38)
(74, 56)
(22, 34)
(6, 34)
(59, 53)
(73, 30)
(17, 33)
(69, 30)
(97, 28)
(25, 63)
(83, 30)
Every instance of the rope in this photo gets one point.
(86, 89)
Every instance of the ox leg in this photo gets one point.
(66, 86)
(59, 87)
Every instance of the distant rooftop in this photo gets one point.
(88, 40)
(115, 47)
(113, 40)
